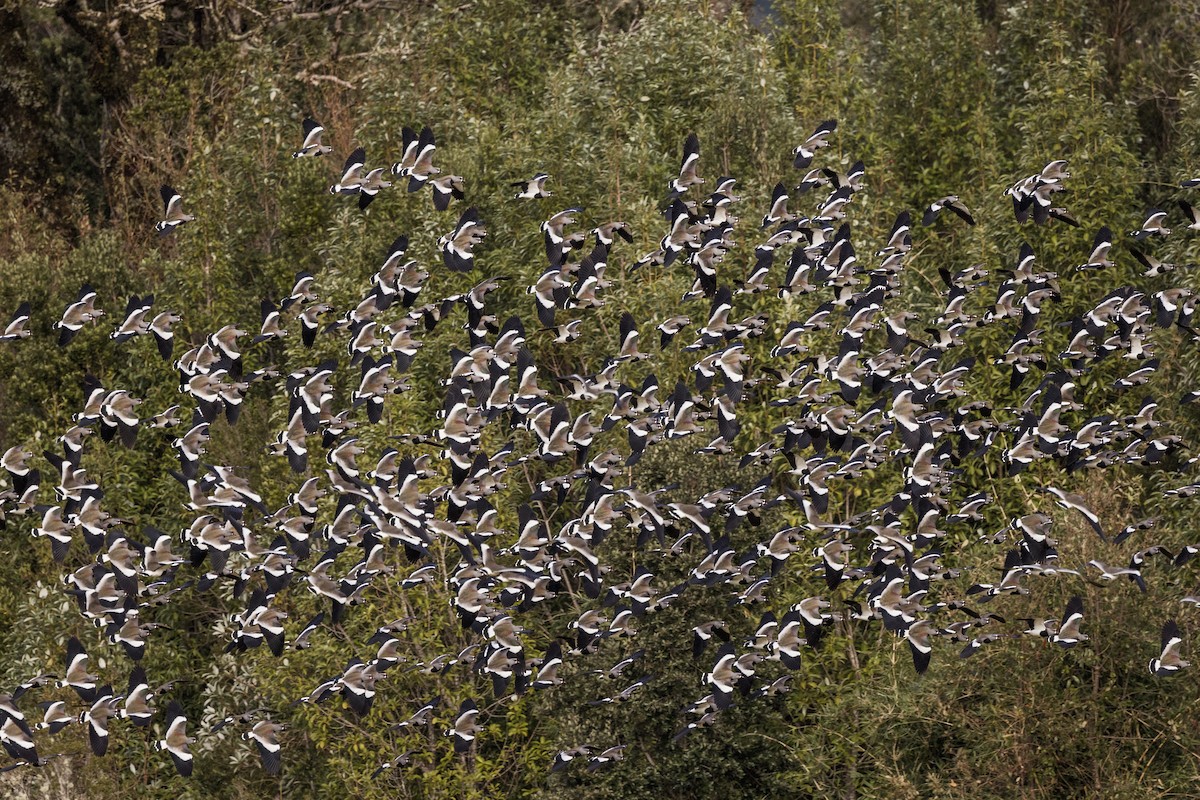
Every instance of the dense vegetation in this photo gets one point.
(935, 97)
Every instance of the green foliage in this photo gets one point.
(936, 98)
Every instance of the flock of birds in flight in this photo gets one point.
(915, 413)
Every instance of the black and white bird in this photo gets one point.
(1192, 216)
(312, 140)
(77, 676)
(564, 758)
(919, 635)
(465, 726)
(372, 184)
(947, 203)
(175, 741)
(404, 759)
(446, 188)
(803, 154)
(137, 706)
(173, 215)
(778, 211)
(78, 314)
(16, 328)
(96, 718)
(417, 162)
(606, 758)
(558, 242)
(1169, 661)
(352, 178)
(1154, 267)
(532, 189)
(265, 735)
(1068, 634)
(458, 246)
(1152, 225)
(1074, 502)
(1098, 258)
(135, 322)
(687, 177)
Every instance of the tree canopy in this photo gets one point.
(106, 103)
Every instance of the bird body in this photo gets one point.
(311, 146)
(173, 214)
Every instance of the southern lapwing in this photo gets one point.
(803, 154)
(312, 140)
(175, 740)
(1169, 661)
(532, 189)
(173, 215)
(687, 177)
